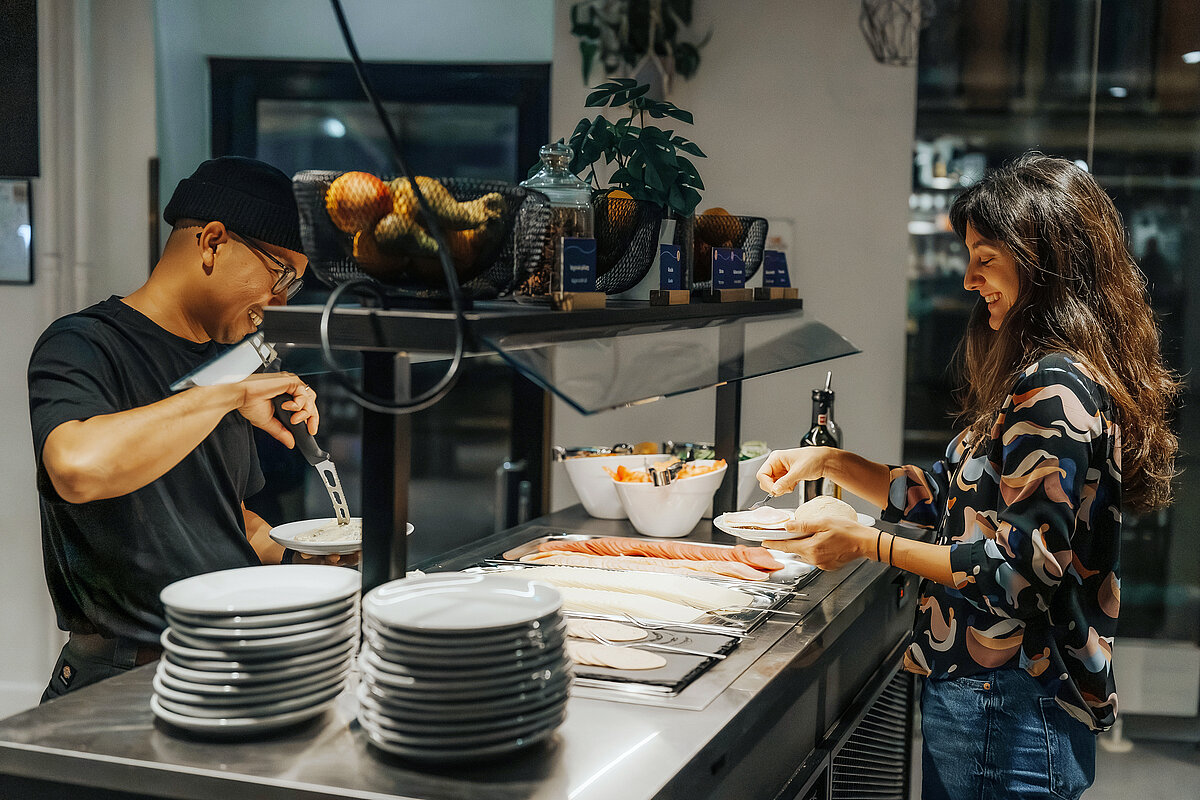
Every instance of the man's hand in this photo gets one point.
(259, 390)
(828, 542)
(332, 559)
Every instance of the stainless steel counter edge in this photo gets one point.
(106, 737)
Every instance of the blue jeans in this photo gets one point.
(1000, 734)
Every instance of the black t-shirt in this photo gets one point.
(106, 561)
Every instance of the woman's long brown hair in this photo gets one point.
(1080, 293)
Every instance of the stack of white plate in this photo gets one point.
(255, 649)
(461, 666)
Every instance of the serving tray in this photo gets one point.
(795, 573)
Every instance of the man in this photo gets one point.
(140, 486)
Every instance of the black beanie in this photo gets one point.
(250, 197)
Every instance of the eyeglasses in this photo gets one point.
(288, 284)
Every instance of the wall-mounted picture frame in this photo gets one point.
(16, 231)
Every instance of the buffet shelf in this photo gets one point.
(594, 360)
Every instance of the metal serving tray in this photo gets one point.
(764, 595)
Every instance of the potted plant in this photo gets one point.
(652, 164)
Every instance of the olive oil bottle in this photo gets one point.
(823, 432)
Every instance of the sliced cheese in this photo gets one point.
(612, 631)
(675, 588)
(597, 601)
(603, 655)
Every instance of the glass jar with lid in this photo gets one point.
(570, 214)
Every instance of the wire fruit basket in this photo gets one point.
(626, 241)
(712, 230)
(355, 225)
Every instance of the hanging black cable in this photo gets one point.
(430, 222)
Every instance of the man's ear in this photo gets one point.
(212, 235)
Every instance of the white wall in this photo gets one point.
(96, 93)
(798, 122)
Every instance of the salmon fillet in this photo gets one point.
(668, 566)
(757, 557)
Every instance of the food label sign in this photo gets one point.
(579, 264)
(775, 269)
(729, 268)
(670, 271)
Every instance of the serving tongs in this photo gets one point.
(665, 475)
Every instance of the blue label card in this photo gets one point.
(729, 268)
(775, 269)
(670, 270)
(578, 264)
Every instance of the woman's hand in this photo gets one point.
(784, 469)
(828, 542)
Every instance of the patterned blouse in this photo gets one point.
(1033, 521)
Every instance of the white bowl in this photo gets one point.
(672, 510)
(595, 487)
(748, 489)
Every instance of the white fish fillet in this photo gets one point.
(666, 566)
(598, 601)
(612, 631)
(602, 655)
(688, 591)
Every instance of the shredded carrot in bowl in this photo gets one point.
(690, 470)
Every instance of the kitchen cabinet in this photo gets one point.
(594, 360)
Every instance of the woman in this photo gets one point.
(1064, 408)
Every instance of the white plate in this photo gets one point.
(457, 658)
(545, 629)
(387, 729)
(181, 692)
(466, 674)
(460, 602)
(238, 726)
(316, 660)
(263, 620)
(779, 535)
(545, 681)
(232, 649)
(260, 590)
(277, 690)
(213, 660)
(469, 708)
(406, 723)
(454, 754)
(446, 640)
(286, 535)
(325, 623)
(469, 715)
(268, 709)
(264, 674)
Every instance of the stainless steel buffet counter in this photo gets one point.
(754, 726)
